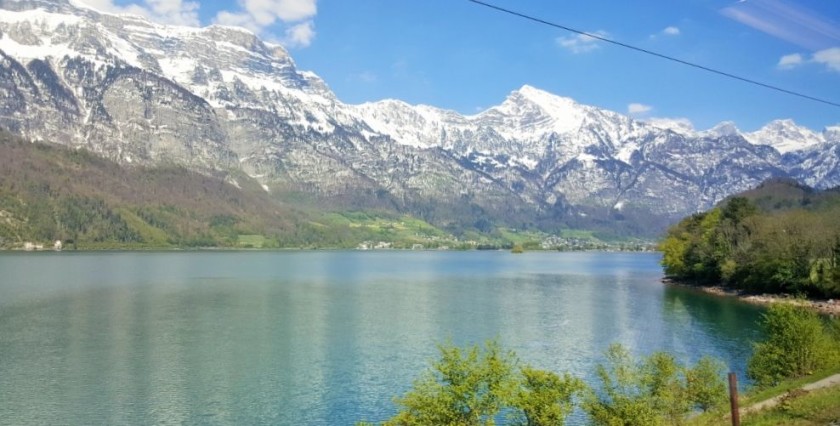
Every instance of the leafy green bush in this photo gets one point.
(473, 386)
(465, 387)
(798, 343)
(545, 398)
(654, 391)
(705, 386)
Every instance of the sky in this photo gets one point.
(462, 56)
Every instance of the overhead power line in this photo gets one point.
(652, 53)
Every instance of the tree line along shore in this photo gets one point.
(781, 238)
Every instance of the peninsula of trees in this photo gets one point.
(781, 237)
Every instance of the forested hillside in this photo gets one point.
(780, 237)
(49, 193)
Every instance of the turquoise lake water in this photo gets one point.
(316, 338)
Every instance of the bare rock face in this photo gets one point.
(219, 99)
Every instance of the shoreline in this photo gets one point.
(827, 307)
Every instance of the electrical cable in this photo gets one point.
(652, 53)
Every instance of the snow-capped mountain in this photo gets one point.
(219, 99)
(682, 126)
(785, 136)
(723, 129)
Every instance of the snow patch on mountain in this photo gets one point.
(832, 134)
(785, 136)
(531, 113)
(681, 126)
(722, 129)
(218, 98)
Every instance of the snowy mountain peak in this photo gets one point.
(535, 112)
(551, 104)
(832, 133)
(724, 128)
(785, 136)
(203, 59)
(682, 126)
(48, 5)
(542, 97)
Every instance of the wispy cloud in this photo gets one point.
(636, 109)
(367, 77)
(671, 31)
(581, 43)
(787, 21)
(791, 61)
(402, 70)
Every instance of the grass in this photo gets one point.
(251, 241)
(153, 236)
(808, 408)
(402, 230)
(577, 233)
(762, 394)
(818, 407)
(518, 237)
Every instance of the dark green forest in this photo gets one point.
(781, 237)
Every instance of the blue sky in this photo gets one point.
(458, 55)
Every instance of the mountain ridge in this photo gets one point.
(220, 100)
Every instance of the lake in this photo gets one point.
(318, 337)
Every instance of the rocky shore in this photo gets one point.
(828, 307)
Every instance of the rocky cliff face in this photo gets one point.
(218, 99)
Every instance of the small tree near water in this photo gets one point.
(465, 387)
(545, 398)
(798, 343)
(656, 390)
(475, 385)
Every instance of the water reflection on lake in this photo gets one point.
(317, 337)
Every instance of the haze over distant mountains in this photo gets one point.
(219, 99)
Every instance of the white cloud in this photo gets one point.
(828, 57)
(177, 12)
(295, 17)
(790, 61)
(671, 31)
(581, 43)
(300, 35)
(257, 15)
(638, 109)
(236, 20)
